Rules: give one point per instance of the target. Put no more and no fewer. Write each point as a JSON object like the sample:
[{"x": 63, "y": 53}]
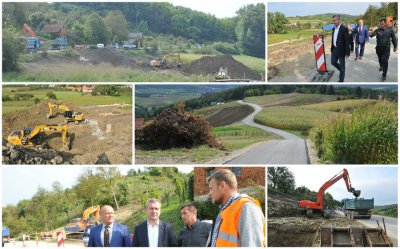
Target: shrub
[
  {"x": 226, "y": 48},
  {"x": 51, "y": 95}
]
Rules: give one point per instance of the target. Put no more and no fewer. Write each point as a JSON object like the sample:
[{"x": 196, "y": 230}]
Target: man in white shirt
[
  {"x": 153, "y": 232},
  {"x": 340, "y": 48}
]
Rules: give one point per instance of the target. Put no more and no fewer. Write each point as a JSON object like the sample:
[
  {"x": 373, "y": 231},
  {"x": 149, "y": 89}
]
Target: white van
[{"x": 100, "y": 45}]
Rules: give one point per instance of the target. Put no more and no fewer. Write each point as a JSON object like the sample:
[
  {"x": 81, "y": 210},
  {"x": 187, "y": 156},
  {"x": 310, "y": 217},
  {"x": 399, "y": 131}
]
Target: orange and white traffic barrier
[
  {"x": 60, "y": 239},
  {"x": 319, "y": 49}
]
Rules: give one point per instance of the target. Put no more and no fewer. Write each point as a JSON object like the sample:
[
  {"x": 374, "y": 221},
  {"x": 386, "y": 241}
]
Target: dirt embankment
[
  {"x": 210, "y": 65},
  {"x": 229, "y": 115},
  {"x": 104, "y": 138},
  {"x": 289, "y": 227}
]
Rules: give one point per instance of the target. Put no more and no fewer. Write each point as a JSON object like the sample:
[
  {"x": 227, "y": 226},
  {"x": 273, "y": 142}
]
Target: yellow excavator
[
  {"x": 168, "y": 61},
  {"x": 24, "y": 137},
  {"x": 70, "y": 116},
  {"x": 75, "y": 228}
]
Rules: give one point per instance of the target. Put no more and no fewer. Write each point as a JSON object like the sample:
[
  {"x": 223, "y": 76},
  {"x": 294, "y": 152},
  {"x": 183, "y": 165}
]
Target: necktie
[{"x": 106, "y": 237}]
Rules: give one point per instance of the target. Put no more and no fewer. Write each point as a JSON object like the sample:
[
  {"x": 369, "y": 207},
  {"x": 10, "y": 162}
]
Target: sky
[
  {"x": 374, "y": 182},
  {"x": 22, "y": 182},
  {"x": 218, "y": 8},
  {"x": 291, "y": 9}
]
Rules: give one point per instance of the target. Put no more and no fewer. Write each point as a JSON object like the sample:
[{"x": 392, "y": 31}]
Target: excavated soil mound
[
  {"x": 108, "y": 55},
  {"x": 229, "y": 115},
  {"x": 210, "y": 65}
]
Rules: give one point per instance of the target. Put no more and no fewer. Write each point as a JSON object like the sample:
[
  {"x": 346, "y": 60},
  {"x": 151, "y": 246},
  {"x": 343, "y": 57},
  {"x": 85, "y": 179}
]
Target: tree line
[{"x": 49, "y": 209}]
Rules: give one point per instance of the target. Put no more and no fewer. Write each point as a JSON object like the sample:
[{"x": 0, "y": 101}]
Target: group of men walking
[
  {"x": 240, "y": 222},
  {"x": 342, "y": 38}
]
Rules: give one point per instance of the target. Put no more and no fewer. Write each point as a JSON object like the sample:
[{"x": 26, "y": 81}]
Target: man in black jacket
[
  {"x": 383, "y": 37},
  {"x": 340, "y": 49}
]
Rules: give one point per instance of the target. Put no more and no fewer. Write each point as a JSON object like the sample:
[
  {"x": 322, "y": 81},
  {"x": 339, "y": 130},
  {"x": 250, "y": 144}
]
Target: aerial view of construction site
[
  {"x": 332, "y": 207},
  {"x": 131, "y": 42},
  {"x": 266, "y": 124},
  {"x": 67, "y": 124},
  {"x": 300, "y": 41}
]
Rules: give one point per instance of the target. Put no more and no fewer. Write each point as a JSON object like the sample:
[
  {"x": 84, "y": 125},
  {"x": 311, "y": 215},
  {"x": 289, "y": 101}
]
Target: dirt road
[{"x": 291, "y": 150}]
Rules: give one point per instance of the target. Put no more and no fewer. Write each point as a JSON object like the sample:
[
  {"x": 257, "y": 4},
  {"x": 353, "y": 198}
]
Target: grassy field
[
  {"x": 291, "y": 99},
  {"x": 210, "y": 110},
  {"x": 292, "y": 118},
  {"x": 342, "y": 105},
  {"x": 72, "y": 98},
  {"x": 368, "y": 136},
  {"x": 164, "y": 100},
  {"x": 233, "y": 138},
  {"x": 305, "y": 34},
  {"x": 99, "y": 73}
]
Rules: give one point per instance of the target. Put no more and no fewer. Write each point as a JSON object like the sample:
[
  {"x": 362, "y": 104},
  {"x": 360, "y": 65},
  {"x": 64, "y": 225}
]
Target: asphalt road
[
  {"x": 366, "y": 70},
  {"x": 391, "y": 225},
  {"x": 291, "y": 150}
]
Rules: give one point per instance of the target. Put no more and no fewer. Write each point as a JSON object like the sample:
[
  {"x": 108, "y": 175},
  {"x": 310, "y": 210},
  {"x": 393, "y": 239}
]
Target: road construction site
[
  {"x": 104, "y": 137},
  {"x": 206, "y": 66}
]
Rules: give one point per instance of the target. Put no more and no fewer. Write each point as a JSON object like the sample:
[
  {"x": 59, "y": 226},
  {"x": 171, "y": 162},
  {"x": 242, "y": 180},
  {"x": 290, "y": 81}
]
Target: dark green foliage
[
  {"x": 51, "y": 95},
  {"x": 10, "y": 49}
]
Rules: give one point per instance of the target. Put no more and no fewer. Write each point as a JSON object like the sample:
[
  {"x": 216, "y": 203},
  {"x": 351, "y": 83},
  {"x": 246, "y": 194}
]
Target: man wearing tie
[
  {"x": 153, "y": 232},
  {"x": 361, "y": 38},
  {"x": 110, "y": 233},
  {"x": 340, "y": 46}
]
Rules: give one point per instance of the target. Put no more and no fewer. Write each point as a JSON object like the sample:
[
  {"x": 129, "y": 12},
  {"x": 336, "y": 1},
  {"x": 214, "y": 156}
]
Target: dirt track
[
  {"x": 229, "y": 115},
  {"x": 89, "y": 141}
]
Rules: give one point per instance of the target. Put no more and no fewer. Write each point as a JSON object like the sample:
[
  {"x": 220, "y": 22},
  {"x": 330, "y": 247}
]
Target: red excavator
[
  {"x": 32, "y": 42},
  {"x": 318, "y": 206}
]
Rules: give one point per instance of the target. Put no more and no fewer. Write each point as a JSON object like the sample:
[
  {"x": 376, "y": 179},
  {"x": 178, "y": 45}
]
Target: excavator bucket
[{"x": 357, "y": 193}]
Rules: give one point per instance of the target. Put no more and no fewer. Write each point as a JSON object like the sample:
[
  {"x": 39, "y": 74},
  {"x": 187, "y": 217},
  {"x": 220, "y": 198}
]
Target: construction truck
[
  {"x": 32, "y": 42},
  {"x": 75, "y": 229},
  {"x": 5, "y": 235},
  {"x": 26, "y": 136},
  {"x": 70, "y": 116},
  {"x": 222, "y": 74},
  {"x": 319, "y": 206},
  {"x": 358, "y": 208},
  {"x": 167, "y": 62}
]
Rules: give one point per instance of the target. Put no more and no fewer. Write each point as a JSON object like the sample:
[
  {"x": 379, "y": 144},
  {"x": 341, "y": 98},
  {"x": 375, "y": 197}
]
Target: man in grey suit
[{"x": 153, "y": 232}]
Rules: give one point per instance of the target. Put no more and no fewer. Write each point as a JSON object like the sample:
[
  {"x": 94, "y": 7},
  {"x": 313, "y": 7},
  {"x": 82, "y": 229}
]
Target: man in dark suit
[
  {"x": 110, "y": 233},
  {"x": 340, "y": 49},
  {"x": 361, "y": 37},
  {"x": 153, "y": 232}
]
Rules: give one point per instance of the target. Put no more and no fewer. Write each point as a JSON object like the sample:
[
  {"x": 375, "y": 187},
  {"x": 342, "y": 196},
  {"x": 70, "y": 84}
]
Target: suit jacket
[
  {"x": 120, "y": 236},
  {"x": 342, "y": 42},
  {"x": 166, "y": 236},
  {"x": 361, "y": 35}
]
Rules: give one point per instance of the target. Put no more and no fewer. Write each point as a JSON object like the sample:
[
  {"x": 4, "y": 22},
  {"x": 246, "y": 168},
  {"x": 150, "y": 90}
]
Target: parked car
[{"x": 100, "y": 45}]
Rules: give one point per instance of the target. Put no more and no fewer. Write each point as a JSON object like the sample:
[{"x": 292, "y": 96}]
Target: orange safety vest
[{"x": 228, "y": 234}]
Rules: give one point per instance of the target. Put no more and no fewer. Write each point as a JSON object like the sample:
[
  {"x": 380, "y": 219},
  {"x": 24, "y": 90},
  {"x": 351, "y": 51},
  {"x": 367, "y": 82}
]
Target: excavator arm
[
  {"x": 28, "y": 29},
  {"x": 346, "y": 177}
]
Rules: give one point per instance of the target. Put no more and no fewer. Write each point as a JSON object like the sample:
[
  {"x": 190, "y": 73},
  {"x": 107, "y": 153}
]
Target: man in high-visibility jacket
[{"x": 240, "y": 222}]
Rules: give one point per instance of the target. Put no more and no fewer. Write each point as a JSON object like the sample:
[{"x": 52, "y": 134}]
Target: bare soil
[
  {"x": 210, "y": 65},
  {"x": 89, "y": 141},
  {"x": 229, "y": 115}
]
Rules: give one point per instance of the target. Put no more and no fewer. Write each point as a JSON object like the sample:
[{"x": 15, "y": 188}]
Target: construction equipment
[
  {"x": 70, "y": 116},
  {"x": 318, "y": 206},
  {"x": 77, "y": 226},
  {"x": 222, "y": 74},
  {"x": 32, "y": 43},
  {"x": 354, "y": 236},
  {"x": 25, "y": 136},
  {"x": 358, "y": 208},
  {"x": 167, "y": 62},
  {"x": 6, "y": 235}
]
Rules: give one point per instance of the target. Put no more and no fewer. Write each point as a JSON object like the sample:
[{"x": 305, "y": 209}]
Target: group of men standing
[
  {"x": 340, "y": 47},
  {"x": 240, "y": 222}
]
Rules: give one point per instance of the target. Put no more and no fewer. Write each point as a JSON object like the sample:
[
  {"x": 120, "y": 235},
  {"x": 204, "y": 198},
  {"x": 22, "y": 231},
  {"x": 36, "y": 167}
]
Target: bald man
[{"x": 110, "y": 233}]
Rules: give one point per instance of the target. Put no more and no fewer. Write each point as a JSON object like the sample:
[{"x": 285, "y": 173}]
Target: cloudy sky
[
  {"x": 219, "y": 8},
  {"x": 374, "y": 182},
  {"x": 312, "y": 8},
  {"x": 22, "y": 182}
]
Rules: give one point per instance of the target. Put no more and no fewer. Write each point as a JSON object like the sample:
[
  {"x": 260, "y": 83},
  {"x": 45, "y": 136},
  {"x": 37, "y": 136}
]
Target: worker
[
  {"x": 110, "y": 233},
  {"x": 37, "y": 239},
  {"x": 340, "y": 47},
  {"x": 383, "y": 35},
  {"x": 153, "y": 232},
  {"x": 195, "y": 233},
  {"x": 240, "y": 221}
]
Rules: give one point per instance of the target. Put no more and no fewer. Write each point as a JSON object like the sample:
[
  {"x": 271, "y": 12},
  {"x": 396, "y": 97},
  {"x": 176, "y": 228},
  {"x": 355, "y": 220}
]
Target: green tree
[
  {"x": 143, "y": 27},
  {"x": 250, "y": 30},
  {"x": 116, "y": 23},
  {"x": 51, "y": 95},
  {"x": 358, "y": 92},
  {"x": 281, "y": 178},
  {"x": 10, "y": 49},
  {"x": 111, "y": 175},
  {"x": 95, "y": 29}
]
